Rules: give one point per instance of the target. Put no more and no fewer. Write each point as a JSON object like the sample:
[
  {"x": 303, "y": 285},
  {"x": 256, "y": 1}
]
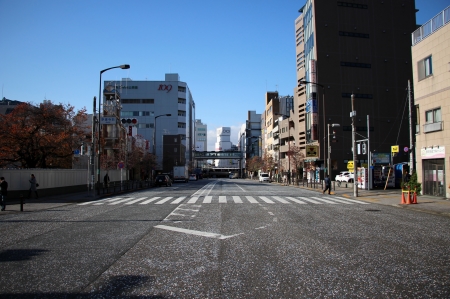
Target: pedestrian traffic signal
[{"x": 129, "y": 121}]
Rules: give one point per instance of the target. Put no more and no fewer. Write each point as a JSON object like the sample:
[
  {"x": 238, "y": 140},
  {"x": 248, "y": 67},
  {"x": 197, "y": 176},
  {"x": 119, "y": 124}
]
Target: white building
[
  {"x": 150, "y": 102},
  {"x": 223, "y": 143}
]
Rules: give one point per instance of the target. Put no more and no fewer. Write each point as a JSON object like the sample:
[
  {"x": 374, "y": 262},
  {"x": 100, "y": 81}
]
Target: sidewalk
[{"x": 389, "y": 197}]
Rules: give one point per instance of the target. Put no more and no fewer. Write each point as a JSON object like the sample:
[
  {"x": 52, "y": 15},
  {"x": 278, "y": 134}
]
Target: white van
[{"x": 264, "y": 177}]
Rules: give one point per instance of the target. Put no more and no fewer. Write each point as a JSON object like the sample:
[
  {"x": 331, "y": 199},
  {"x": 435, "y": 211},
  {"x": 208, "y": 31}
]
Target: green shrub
[{"x": 413, "y": 184}]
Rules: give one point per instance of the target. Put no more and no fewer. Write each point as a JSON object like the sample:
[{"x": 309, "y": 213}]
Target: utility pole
[
  {"x": 411, "y": 144},
  {"x": 92, "y": 151},
  {"x": 355, "y": 172}
]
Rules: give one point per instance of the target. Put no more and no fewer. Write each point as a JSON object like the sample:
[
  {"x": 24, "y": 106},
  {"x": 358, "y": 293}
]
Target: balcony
[{"x": 433, "y": 127}]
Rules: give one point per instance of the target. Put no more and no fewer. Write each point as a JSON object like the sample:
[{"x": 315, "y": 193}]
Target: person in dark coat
[
  {"x": 327, "y": 185},
  {"x": 106, "y": 180},
  {"x": 33, "y": 186},
  {"x": 3, "y": 192}
]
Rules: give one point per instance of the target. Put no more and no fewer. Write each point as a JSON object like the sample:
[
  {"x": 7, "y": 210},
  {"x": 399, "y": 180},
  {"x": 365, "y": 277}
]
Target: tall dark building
[{"x": 360, "y": 47}]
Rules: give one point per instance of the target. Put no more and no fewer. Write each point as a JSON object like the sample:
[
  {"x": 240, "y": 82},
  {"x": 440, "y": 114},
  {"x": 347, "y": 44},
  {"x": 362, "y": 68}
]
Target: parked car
[
  {"x": 345, "y": 176},
  {"x": 264, "y": 177},
  {"x": 192, "y": 177},
  {"x": 234, "y": 175},
  {"x": 163, "y": 180}
]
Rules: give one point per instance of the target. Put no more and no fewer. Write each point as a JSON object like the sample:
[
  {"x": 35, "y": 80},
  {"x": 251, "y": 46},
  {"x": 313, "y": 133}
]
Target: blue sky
[{"x": 228, "y": 52}]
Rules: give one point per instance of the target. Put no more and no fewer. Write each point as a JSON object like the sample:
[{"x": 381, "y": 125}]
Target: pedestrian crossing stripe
[{"x": 225, "y": 199}]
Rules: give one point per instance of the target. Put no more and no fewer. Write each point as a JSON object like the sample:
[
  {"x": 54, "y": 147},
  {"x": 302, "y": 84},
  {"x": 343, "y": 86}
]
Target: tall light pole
[
  {"x": 154, "y": 132},
  {"x": 124, "y": 67},
  {"x": 355, "y": 172},
  {"x": 329, "y": 148}
]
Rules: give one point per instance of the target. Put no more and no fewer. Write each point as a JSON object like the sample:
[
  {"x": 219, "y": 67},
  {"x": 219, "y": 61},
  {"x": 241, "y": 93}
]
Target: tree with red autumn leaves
[{"x": 42, "y": 136}]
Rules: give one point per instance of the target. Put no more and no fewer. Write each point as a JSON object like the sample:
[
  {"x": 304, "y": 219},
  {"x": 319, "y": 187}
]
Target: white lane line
[
  {"x": 280, "y": 199},
  {"x": 193, "y": 199},
  {"x": 134, "y": 201},
  {"x": 178, "y": 200},
  {"x": 266, "y": 199},
  {"x": 324, "y": 200},
  {"x": 352, "y": 200},
  {"x": 239, "y": 187},
  {"x": 109, "y": 200},
  {"x": 149, "y": 200},
  {"x": 120, "y": 201},
  {"x": 237, "y": 199},
  {"x": 163, "y": 200},
  {"x": 251, "y": 199},
  {"x": 296, "y": 200},
  {"x": 196, "y": 232},
  {"x": 310, "y": 200},
  {"x": 271, "y": 214},
  {"x": 207, "y": 199},
  {"x": 222, "y": 199}
]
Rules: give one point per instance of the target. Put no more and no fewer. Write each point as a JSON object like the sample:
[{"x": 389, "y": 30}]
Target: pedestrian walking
[
  {"x": 3, "y": 192},
  {"x": 327, "y": 185},
  {"x": 284, "y": 180},
  {"x": 106, "y": 180},
  {"x": 33, "y": 186}
]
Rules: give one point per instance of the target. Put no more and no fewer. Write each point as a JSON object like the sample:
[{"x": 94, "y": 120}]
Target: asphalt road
[{"x": 225, "y": 239}]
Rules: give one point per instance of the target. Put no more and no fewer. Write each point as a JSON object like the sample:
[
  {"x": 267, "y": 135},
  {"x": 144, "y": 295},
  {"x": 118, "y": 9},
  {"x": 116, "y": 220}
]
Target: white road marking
[
  {"x": 222, "y": 199},
  {"x": 237, "y": 199},
  {"x": 120, "y": 201},
  {"x": 251, "y": 199},
  {"x": 134, "y": 201},
  {"x": 163, "y": 200},
  {"x": 196, "y": 232},
  {"x": 149, "y": 200},
  {"x": 193, "y": 199},
  {"x": 178, "y": 200},
  {"x": 352, "y": 200},
  {"x": 207, "y": 199},
  {"x": 280, "y": 199},
  {"x": 239, "y": 187},
  {"x": 266, "y": 199},
  {"x": 324, "y": 200},
  {"x": 109, "y": 200},
  {"x": 296, "y": 200},
  {"x": 310, "y": 200}
]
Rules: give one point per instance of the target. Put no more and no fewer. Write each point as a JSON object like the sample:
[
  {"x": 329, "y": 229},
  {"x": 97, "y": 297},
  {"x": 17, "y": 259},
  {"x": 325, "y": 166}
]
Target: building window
[
  {"x": 425, "y": 68},
  {"x": 130, "y": 101},
  {"x": 433, "y": 116},
  {"x": 181, "y": 89},
  {"x": 181, "y": 101},
  {"x": 148, "y": 101},
  {"x": 145, "y": 126}
]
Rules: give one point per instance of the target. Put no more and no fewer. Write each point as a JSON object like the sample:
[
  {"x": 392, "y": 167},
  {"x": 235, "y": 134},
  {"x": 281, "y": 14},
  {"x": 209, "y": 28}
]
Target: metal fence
[{"x": 431, "y": 26}]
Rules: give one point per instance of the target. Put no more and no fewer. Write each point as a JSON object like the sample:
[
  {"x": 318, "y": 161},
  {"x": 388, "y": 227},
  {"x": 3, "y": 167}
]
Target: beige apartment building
[
  {"x": 359, "y": 47},
  {"x": 431, "y": 68}
]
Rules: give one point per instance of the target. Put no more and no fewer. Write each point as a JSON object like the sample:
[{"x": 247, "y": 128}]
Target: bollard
[{"x": 21, "y": 202}]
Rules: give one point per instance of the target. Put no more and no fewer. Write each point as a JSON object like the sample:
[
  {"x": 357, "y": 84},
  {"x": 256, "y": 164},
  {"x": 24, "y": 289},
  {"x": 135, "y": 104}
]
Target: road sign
[
  {"x": 394, "y": 148},
  {"x": 120, "y": 165},
  {"x": 405, "y": 149},
  {"x": 76, "y": 153}
]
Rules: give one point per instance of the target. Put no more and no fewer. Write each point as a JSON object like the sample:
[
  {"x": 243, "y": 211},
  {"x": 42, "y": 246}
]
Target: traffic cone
[
  {"x": 408, "y": 200},
  {"x": 414, "y": 198},
  {"x": 403, "y": 197}
]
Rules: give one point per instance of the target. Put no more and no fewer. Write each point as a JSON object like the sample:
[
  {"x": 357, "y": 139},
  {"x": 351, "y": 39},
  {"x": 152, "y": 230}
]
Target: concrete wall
[{"x": 52, "y": 181}]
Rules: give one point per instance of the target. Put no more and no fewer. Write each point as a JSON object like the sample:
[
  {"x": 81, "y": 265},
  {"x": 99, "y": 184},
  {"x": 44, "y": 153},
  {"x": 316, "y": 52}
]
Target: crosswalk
[{"x": 316, "y": 200}]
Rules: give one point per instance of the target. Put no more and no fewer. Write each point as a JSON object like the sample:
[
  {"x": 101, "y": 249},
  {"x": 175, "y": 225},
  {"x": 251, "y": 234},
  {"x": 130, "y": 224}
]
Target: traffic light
[
  {"x": 129, "y": 121},
  {"x": 364, "y": 150}
]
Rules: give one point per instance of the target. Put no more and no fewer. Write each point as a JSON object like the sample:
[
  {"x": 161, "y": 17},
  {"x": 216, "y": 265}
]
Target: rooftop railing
[{"x": 431, "y": 26}]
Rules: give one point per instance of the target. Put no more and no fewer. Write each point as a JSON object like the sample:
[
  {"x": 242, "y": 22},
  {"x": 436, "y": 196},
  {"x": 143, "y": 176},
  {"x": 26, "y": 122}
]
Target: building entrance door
[{"x": 434, "y": 177}]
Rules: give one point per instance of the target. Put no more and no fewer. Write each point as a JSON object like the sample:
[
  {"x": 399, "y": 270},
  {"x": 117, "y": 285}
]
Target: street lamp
[
  {"x": 329, "y": 148},
  {"x": 124, "y": 67},
  {"x": 154, "y": 132}
]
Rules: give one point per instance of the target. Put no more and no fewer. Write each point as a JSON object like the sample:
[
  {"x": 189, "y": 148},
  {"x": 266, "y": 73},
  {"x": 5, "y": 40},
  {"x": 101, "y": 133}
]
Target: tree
[
  {"x": 296, "y": 156},
  {"x": 268, "y": 162},
  {"x": 413, "y": 185},
  {"x": 43, "y": 136},
  {"x": 254, "y": 164}
]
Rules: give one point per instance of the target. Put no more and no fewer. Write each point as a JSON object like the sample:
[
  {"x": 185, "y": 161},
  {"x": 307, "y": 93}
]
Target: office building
[
  {"x": 357, "y": 47},
  {"x": 158, "y": 108}
]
